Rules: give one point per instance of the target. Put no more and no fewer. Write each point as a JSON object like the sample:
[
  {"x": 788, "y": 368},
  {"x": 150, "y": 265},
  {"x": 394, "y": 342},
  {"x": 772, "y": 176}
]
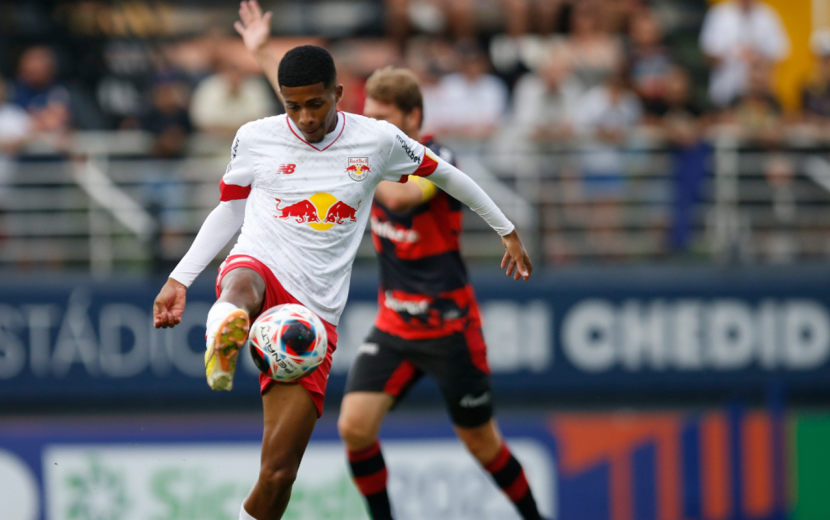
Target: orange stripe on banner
[
  {"x": 716, "y": 485},
  {"x": 759, "y": 492},
  {"x": 622, "y": 503},
  {"x": 669, "y": 483}
]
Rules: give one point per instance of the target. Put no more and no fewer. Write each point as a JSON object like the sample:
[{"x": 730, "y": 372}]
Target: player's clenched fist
[{"x": 169, "y": 304}]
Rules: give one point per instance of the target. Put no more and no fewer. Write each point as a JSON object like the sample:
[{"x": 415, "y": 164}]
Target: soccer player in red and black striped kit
[{"x": 428, "y": 322}]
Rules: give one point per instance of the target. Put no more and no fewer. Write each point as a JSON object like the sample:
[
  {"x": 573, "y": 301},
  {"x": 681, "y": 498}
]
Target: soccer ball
[{"x": 287, "y": 342}]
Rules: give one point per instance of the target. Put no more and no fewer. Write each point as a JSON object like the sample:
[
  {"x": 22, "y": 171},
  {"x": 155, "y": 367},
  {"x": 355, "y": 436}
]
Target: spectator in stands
[
  {"x": 37, "y": 91},
  {"x": 228, "y": 99},
  {"x": 15, "y": 130},
  {"x": 594, "y": 54},
  {"x": 165, "y": 196},
  {"x": 757, "y": 113},
  {"x": 168, "y": 119},
  {"x": 735, "y": 34},
  {"x": 816, "y": 92},
  {"x": 605, "y": 115},
  {"x": 545, "y": 102},
  {"x": 681, "y": 123},
  {"x": 471, "y": 102},
  {"x": 649, "y": 62}
]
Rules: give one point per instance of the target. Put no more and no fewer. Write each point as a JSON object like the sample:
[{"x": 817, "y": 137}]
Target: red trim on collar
[{"x": 311, "y": 145}]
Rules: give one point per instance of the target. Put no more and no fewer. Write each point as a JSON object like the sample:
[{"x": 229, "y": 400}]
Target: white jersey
[{"x": 308, "y": 203}]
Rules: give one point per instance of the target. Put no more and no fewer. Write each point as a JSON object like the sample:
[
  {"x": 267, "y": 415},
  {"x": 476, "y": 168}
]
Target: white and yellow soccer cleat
[{"x": 220, "y": 357}]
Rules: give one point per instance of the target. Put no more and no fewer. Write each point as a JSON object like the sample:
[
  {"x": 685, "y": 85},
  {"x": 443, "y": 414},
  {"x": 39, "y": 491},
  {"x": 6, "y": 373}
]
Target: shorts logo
[
  {"x": 470, "y": 401},
  {"x": 286, "y": 169},
  {"x": 358, "y": 168},
  {"x": 370, "y": 349}
]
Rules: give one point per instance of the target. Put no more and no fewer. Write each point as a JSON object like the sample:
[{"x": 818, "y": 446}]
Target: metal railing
[{"x": 107, "y": 207}]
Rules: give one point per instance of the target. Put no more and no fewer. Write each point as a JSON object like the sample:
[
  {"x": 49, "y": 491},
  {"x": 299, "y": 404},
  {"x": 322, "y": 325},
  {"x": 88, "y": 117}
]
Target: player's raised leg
[
  {"x": 289, "y": 417},
  {"x": 242, "y": 293},
  {"x": 361, "y": 414},
  {"x": 485, "y": 443}
]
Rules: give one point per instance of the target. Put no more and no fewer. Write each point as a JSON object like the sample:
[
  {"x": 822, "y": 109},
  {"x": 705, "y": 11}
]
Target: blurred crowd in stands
[{"x": 522, "y": 74}]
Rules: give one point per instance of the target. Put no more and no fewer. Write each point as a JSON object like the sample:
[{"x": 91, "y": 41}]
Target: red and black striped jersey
[{"x": 424, "y": 292}]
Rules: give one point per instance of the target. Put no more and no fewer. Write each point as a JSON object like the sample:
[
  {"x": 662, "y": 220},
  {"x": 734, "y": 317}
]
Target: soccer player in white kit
[{"x": 300, "y": 186}]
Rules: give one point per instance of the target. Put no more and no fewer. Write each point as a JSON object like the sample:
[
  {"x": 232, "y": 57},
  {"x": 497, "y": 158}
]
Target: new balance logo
[{"x": 286, "y": 169}]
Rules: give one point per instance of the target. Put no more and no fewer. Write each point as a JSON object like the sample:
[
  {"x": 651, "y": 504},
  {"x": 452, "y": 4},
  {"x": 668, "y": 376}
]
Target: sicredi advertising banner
[
  {"x": 729, "y": 463},
  {"x": 605, "y": 330},
  {"x": 178, "y": 468}
]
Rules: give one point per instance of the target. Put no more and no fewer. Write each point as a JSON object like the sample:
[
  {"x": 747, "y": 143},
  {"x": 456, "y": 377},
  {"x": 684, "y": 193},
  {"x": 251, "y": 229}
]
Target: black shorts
[{"x": 458, "y": 363}]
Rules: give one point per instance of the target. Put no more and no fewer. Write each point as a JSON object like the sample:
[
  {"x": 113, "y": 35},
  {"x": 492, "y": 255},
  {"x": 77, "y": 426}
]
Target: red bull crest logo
[
  {"x": 321, "y": 211},
  {"x": 358, "y": 168}
]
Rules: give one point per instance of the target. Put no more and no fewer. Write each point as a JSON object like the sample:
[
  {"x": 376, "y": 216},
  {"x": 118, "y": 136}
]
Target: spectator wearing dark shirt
[
  {"x": 649, "y": 63},
  {"x": 41, "y": 96},
  {"x": 165, "y": 195},
  {"x": 168, "y": 119},
  {"x": 681, "y": 123}
]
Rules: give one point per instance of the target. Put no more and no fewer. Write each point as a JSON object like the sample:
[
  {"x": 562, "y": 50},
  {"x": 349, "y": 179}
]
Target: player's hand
[
  {"x": 515, "y": 260},
  {"x": 255, "y": 27},
  {"x": 169, "y": 305}
]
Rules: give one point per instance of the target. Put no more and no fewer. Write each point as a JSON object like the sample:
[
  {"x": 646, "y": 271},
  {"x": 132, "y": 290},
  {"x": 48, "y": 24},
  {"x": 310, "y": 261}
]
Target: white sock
[
  {"x": 217, "y": 313},
  {"x": 243, "y": 515}
]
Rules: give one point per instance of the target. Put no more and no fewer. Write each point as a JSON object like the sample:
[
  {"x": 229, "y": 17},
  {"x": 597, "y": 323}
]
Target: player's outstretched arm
[
  {"x": 255, "y": 29},
  {"x": 169, "y": 304},
  {"x": 219, "y": 227},
  {"x": 459, "y": 185}
]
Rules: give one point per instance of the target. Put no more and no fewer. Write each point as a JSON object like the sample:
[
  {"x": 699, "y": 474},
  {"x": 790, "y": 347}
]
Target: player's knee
[
  {"x": 277, "y": 478},
  {"x": 355, "y": 434},
  {"x": 244, "y": 287},
  {"x": 480, "y": 442}
]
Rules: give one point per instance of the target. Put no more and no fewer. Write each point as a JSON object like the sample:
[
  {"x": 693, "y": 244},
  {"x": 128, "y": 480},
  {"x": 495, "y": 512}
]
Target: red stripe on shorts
[{"x": 400, "y": 378}]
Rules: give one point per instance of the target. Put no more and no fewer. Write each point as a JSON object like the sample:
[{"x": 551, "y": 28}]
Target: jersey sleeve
[
  {"x": 407, "y": 157},
  {"x": 239, "y": 176}
]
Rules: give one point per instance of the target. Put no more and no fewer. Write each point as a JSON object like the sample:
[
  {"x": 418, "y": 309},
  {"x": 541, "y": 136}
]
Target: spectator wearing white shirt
[
  {"x": 227, "y": 100},
  {"x": 471, "y": 103},
  {"x": 734, "y": 34},
  {"x": 545, "y": 102}
]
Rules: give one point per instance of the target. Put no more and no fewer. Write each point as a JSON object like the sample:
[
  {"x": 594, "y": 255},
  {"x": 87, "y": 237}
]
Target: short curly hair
[{"x": 307, "y": 65}]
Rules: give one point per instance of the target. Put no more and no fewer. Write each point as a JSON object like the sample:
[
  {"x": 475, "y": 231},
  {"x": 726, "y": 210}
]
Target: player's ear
[
  {"x": 414, "y": 118},
  {"x": 338, "y": 93}
]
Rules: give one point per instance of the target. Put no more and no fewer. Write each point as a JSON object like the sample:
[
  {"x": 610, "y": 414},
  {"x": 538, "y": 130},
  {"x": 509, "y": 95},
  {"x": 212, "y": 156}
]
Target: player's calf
[
  {"x": 486, "y": 445},
  {"x": 370, "y": 476}
]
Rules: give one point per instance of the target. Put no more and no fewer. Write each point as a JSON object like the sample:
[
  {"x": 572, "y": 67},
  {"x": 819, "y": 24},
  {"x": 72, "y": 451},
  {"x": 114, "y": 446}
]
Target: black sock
[
  {"x": 369, "y": 473},
  {"x": 510, "y": 477}
]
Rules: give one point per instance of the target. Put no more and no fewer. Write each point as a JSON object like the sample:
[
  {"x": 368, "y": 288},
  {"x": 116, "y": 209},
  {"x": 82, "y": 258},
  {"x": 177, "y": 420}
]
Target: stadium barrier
[{"x": 111, "y": 209}]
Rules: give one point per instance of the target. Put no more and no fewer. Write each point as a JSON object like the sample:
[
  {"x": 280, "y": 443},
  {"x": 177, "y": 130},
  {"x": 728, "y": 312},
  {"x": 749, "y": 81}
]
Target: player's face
[
  {"x": 390, "y": 113},
  {"x": 313, "y": 108}
]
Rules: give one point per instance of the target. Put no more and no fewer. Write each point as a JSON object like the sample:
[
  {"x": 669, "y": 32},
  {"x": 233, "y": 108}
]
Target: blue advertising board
[{"x": 74, "y": 340}]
